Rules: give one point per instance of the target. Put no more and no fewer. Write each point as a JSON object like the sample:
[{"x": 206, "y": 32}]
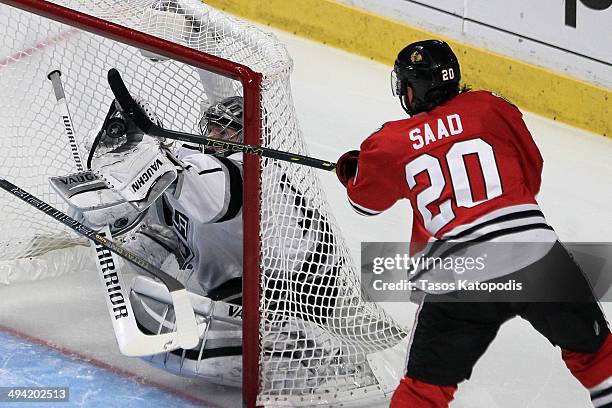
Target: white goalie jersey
[{"x": 204, "y": 208}]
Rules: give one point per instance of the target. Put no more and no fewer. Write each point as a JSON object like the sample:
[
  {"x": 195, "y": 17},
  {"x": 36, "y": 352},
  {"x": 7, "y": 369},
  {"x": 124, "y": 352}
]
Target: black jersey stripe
[
  {"x": 496, "y": 234},
  {"x": 459, "y": 246},
  {"x": 215, "y": 170},
  {"x": 235, "y": 190},
  {"x": 164, "y": 211},
  {"x": 601, "y": 393},
  {"x": 154, "y": 239},
  {"x": 500, "y": 219},
  {"x": 598, "y": 404},
  {"x": 361, "y": 211},
  {"x": 497, "y": 220}
]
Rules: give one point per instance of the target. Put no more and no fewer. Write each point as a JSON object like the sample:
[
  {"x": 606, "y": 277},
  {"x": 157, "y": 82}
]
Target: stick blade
[
  {"x": 187, "y": 334},
  {"x": 128, "y": 104}
]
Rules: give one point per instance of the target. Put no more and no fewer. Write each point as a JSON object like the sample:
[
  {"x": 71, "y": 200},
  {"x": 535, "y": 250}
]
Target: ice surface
[{"x": 23, "y": 364}]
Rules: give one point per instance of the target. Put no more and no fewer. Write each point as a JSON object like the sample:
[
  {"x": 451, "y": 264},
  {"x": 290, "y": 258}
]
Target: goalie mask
[{"x": 224, "y": 121}]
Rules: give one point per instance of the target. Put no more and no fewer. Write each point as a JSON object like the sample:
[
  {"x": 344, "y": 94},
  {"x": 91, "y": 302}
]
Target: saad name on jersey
[{"x": 428, "y": 132}]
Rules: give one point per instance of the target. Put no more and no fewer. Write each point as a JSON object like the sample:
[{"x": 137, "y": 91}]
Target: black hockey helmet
[{"x": 431, "y": 69}]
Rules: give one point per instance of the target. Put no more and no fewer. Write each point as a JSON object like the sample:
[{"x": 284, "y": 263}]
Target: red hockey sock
[
  {"x": 590, "y": 369},
  {"x": 411, "y": 393}
]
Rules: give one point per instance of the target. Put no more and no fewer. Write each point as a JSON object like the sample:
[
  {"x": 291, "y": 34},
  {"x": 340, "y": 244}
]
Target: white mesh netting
[{"x": 320, "y": 342}]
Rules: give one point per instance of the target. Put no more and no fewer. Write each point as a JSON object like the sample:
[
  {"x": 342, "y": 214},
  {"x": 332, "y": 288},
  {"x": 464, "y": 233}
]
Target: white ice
[{"x": 341, "y": 98}]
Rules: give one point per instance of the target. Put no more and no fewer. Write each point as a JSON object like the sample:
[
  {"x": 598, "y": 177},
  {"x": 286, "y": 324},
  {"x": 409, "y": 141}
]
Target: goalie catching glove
[{"x": 137, "y": 166}]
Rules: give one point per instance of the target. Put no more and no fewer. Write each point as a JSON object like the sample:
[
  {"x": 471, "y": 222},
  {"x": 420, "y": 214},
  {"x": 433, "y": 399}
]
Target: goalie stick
[
  {"x": 60, "y": 96},
  {"x": 131, "y": 108},
  {"x": 186, "y": 335},
  {"x": 130, "y": 339}
]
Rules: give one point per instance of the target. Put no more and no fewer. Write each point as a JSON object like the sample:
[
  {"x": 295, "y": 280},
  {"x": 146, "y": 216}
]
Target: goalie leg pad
[{"x": 218, "y": 356}]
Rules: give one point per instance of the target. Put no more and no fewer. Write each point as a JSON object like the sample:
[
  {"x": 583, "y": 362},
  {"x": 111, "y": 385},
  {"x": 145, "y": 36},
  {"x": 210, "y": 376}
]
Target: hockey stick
[
  {"x": 131, "y": 108},
  {"x": 186, "y": 335},
  {"x": 60, "y": 96},
  {"x": 130, "y": 339}
]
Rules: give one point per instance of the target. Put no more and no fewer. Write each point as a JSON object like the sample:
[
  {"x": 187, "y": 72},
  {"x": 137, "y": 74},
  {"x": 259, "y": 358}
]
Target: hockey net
[{"x": 325, "y": 345}]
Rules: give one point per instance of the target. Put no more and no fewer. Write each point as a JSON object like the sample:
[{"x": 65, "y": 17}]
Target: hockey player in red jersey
[{"x": 471, "y": 170}]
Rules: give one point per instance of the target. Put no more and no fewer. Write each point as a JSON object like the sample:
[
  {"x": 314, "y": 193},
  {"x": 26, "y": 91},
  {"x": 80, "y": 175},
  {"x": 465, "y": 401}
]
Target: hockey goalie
[{"x": 179, "y": 207}]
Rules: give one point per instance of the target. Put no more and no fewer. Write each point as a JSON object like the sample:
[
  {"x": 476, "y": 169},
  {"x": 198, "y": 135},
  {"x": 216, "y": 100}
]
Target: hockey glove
[
  {"x": 91, "y": 202},
  {"x": 346, "y": 167},
  {"x": 137, "y": 166}
]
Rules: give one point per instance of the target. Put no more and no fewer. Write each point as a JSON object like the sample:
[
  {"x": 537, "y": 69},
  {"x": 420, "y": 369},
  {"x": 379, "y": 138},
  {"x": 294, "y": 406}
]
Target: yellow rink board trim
[{"x": 533, "y": 88}]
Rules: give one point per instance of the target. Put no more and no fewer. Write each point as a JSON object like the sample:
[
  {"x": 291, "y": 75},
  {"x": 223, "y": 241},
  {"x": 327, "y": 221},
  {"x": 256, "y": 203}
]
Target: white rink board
[{"x": 532, "y": 31}]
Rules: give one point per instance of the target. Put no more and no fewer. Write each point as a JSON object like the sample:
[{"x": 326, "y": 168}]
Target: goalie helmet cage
[{"x": 308, "y": 336}]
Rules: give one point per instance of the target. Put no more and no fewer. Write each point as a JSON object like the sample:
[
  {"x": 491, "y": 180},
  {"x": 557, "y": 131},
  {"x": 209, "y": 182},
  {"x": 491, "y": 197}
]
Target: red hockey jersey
[{"x": 470, "y": 169}]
